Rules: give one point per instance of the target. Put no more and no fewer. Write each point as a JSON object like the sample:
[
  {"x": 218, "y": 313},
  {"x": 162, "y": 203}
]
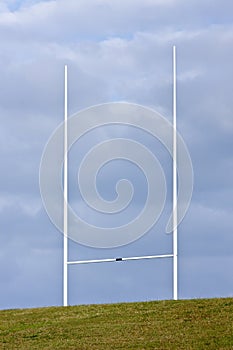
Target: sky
[{"x": 115, "y": 51}]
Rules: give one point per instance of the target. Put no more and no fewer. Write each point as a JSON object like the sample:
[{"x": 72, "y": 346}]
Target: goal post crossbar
[{"x": 145, "y": 257}]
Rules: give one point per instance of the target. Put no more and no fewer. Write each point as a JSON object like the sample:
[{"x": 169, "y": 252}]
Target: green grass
[{"x": 186, "y": 324}]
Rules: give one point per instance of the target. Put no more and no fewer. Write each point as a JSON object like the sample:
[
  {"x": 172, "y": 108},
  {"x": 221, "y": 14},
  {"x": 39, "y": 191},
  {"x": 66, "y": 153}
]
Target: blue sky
[{"x": 115, "y": 50}]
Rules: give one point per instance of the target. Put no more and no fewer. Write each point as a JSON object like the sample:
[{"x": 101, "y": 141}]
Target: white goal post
[{"x": 173, "y": 255}]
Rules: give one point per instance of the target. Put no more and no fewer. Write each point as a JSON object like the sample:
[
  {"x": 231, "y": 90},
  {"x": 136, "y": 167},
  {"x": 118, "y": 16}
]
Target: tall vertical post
[
  {"x": 65, "y": 187},
  {"x": 174, "y": 176}
]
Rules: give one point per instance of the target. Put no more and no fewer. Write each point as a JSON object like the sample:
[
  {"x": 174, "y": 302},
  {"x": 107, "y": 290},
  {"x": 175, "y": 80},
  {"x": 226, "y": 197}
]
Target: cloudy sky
[{"x": 115, "y": 50}]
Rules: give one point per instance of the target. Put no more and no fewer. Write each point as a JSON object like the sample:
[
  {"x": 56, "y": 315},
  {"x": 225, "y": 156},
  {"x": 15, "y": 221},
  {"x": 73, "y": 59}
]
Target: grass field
[{"x": 186, "y": 324}]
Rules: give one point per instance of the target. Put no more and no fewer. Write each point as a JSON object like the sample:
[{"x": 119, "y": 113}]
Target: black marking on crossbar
[{"x": 118, "y": 259}]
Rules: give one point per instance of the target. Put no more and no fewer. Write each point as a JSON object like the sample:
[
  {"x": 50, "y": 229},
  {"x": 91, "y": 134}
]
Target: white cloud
[
  {"x": 28, "y": 206},
  {"x": 117, "y": 50}
]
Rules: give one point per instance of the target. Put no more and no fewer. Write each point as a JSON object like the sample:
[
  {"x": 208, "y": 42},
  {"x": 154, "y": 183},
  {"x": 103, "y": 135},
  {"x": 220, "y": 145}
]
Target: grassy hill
[{"x": 186, "y": 324}]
